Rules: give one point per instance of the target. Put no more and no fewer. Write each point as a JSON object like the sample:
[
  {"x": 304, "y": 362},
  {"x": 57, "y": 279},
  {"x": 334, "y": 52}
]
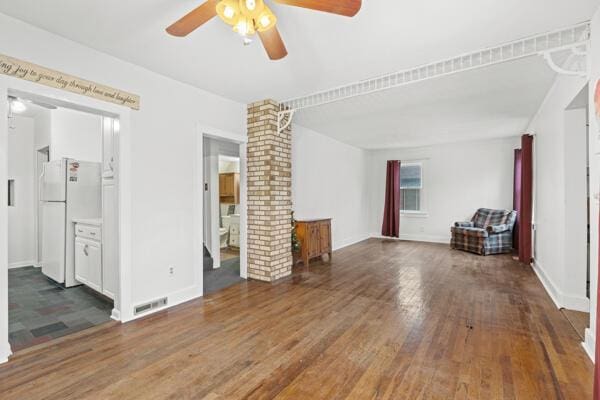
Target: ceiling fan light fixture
[
  {"x": 266, "y": 20},
  {"x": 251, "y": 8},
  {"x": 229, "y": 11},
  {"x": 244, "y": 27}
]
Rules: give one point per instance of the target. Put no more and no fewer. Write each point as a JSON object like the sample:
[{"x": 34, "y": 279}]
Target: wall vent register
[{"x": 150, "y": 306}]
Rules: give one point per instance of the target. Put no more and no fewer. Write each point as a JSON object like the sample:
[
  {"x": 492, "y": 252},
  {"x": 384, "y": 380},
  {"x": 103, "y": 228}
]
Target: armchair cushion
[
  {"x": 498, "y": 228},
  {"x": 464, "y": 224},
  {"x": 468, "y": 231}
]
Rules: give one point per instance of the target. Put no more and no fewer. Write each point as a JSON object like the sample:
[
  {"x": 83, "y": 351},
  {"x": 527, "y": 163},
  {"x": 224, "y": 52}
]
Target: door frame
[
  {"x": 36, "y": 207},
  {"x": 241, "y": 140},
  {"x": 123, "y": 309}
]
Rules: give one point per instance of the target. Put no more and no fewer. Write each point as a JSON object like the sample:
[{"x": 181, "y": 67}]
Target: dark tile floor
[
  {"x": 40, "y": 310},
  {"x": 220, "y": 278}
]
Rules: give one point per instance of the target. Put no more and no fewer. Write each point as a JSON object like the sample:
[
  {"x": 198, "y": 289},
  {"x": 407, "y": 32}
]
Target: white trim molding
[
  {"x": 241, "y": 140},
  {"x": 22, "y": 264},
  {"x": 351, "y": 241},
  {"x": 416, "y": 238},
  {"x": 560, "y": 299},
  {"x": 5, "y": 352},
  {"x": 573, "y": 37},
  {"x": 589, "y": 345}
]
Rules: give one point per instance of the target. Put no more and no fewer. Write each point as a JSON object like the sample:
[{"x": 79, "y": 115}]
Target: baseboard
[
  {"x": 416, "y": 238},
  {"x": 115, "y": 315},
  {"x": 589, "y": 345},
  {"x": 550, "y": 287},
  {"x": 575, "y": 303},
  {"x": 351, "y": 241},
  {"x": 5, "y": 353},
  {"x": 560, "y": 299},
  {"x": 21, "y": 264},
  {"x": 173, "y": 299}
]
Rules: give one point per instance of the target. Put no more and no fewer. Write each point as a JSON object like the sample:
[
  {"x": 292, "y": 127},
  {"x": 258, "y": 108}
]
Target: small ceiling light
[
  {"x": 251, "y": 8},
  {"x": 229, "y": 11},
  {"x": 17, "y": 106},
  {"x": 266, "y": 20},
  {"x": 244, "y": 27}
]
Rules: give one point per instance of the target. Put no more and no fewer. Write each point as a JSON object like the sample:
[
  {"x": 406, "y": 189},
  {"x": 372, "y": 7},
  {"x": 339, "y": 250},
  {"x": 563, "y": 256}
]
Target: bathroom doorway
[{"x": 222, "y": 211}]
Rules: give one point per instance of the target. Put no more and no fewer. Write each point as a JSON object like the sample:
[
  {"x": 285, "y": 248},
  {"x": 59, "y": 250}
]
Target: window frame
[{"x": 422, "y": 198}]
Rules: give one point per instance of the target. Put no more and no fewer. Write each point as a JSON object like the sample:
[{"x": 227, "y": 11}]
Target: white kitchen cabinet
[
  {"x": 88, "y": 263},
  {"x": 110, "y": 271},
  {"x": 108, "y": 148}
]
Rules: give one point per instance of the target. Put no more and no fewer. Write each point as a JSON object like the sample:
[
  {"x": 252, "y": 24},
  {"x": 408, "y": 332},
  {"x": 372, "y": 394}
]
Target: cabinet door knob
[{"x": 85, "y": 250}]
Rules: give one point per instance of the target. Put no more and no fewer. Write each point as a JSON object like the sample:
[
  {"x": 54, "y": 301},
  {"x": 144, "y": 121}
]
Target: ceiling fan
[{"x": 253, "y": 16}]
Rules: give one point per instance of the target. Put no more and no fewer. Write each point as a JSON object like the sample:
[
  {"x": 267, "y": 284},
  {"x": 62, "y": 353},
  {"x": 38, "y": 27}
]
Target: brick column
[{"x": 269, "y": 194}]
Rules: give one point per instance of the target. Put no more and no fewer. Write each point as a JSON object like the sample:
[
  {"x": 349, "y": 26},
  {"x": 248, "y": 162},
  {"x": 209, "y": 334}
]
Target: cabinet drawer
[
  {"x": 234, "y": 241},
  {"x": 88, "y": 232},
  {"x": 234, "y": 229}
]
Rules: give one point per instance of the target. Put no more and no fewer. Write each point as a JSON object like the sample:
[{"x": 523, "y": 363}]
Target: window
[{"x": 411, "y": 186}]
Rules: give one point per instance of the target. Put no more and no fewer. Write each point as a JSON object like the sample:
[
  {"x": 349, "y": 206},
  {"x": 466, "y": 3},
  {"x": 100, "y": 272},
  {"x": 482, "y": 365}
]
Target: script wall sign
[{"x": 35, "y": 73}]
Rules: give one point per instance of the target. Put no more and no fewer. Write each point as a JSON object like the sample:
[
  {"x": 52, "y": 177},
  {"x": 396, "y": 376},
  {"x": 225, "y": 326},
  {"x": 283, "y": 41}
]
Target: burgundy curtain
[
  {"x": 526, "y": 200},
  {"x": 391, "y": 212},
  {"x": 517, "y": 197}
]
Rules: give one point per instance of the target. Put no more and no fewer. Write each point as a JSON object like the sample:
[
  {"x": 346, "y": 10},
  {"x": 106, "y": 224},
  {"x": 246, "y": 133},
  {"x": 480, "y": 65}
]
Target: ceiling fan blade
[
  {"x": 194, "y": 19},
  {"x": 349, "y": 8},
  {"x": 273, "y": 43}
]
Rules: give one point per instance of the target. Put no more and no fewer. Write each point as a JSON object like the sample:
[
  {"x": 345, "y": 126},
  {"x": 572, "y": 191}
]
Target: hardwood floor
[
  {"x": 387, "y": 320},
  {"x": 580, "y": 321}
]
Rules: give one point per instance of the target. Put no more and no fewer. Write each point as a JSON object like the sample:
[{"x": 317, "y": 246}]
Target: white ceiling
[
  {"x": 491, "y": 102},
  {"x": 325, "y": 50}
]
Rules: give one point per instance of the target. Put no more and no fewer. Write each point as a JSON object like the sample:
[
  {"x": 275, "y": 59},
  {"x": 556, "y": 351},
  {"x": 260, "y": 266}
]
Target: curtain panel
[
  {"x": 391, "y": 211},
  {"x": 526, "y": 199}
]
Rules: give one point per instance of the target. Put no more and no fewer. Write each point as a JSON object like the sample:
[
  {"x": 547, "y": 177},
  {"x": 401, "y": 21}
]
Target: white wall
[
  {"x": 75, "y": 134},
  {"x": 21, "y": 218},
  {"x": 550, "y": 161},
  {"x": 458, "y": 178},
  {"x": 594, "y": 152},
  {"x": 43, "y": 126},
  {"x": 163, "y": 144},
  {"x": 228, "y": 166},
  {"x": 329, "y": 180},
  {"x": 576, "y": 204}
]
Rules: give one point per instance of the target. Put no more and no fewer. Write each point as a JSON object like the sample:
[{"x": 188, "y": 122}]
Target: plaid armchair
[{"x": 488, "y": 232}]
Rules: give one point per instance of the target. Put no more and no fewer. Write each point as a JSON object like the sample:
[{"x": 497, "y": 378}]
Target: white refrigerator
[{"x": 68, "y": 189}]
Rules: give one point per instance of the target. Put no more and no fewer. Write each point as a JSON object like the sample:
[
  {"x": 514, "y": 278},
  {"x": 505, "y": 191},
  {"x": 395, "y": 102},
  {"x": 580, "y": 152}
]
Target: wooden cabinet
[
  {"x": 229, "y": 188},
  {"x": 315, "y": 238}
]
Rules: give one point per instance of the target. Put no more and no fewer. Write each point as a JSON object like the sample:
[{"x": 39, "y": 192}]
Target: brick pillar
[{"x": 269, "y": 194}]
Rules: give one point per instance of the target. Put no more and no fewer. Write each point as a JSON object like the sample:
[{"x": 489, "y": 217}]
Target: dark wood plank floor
[{"x": 388, "y": 320}]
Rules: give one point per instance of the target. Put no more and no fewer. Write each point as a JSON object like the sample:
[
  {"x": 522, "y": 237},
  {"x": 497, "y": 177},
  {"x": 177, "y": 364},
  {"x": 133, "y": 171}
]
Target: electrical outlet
[{"x": 171, "y": 270}]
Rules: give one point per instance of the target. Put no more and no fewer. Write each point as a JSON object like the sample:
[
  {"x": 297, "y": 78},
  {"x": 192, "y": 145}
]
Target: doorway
[
  {"x": 577, "y": 213},
  {"x": 63, "y": 232},
  {"x": 223, "y": 240}
]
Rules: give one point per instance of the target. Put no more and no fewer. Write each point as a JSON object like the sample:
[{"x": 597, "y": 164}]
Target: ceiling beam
[{"x": 542, "y": 44}]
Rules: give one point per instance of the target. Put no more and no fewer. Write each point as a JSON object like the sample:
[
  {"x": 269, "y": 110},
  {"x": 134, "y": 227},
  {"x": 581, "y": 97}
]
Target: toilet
[{"x": 224, "y": 231}]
